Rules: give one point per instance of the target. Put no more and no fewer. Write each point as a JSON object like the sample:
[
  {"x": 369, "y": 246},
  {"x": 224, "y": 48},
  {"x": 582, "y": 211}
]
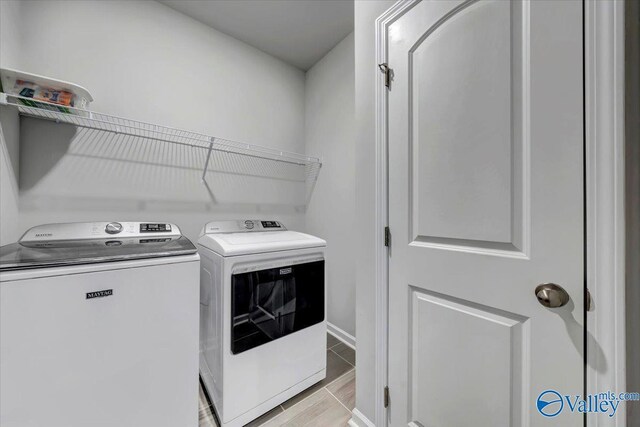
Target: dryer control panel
[{"x": 244, "y": 225}]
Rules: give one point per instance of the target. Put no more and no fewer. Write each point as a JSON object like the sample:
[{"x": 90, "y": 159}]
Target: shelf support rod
[{"x": 206, "y": 164}]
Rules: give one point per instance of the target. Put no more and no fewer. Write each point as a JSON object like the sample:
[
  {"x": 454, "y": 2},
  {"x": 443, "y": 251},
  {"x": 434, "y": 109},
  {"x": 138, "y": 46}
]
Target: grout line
[
  {"x": 343, "y": 405},
  {"x": 337, "y": 378},
  {"x": 345, "y": 373},
  {"x": 342, "y": 336},
  {"x": 336, "y": 344},
  {"x": 312, "y": 394},
  {"x": 342, "y": 358},
  {"x": 320, "y": 389},
  {"x": 297, "y": 403},
  {"x": 270, "y": 419}
]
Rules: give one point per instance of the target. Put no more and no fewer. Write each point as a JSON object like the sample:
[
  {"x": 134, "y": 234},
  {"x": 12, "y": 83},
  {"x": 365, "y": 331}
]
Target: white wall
[
  {"x": 10, "y": 33},
  {"x": 366, "y": 13},
  {"x": 8, "y": 196},
  {"x": 330, "y": 132},
  {"x": 145, "y": 61},
  {"x": 9, "y": 53}
]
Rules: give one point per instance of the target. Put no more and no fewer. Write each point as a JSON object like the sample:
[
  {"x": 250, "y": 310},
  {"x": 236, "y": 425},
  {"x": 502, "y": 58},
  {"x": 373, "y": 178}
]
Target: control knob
[{"x": 113, "y": 228}]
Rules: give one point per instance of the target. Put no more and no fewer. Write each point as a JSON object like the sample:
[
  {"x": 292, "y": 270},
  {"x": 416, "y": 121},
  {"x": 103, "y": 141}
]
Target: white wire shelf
[
  {"x": 134, "y": 132},
  {"x": 120, "y": 125}
]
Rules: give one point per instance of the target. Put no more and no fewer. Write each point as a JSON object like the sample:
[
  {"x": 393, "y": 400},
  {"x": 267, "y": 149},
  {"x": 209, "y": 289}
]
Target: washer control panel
[
  {"x": 100, "y": 230},
  {"x": 245, "y": 225},
  {"x": 155, "y": 228}
]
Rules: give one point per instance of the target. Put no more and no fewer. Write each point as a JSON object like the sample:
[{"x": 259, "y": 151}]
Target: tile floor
[{"x": 328, "y": 403}]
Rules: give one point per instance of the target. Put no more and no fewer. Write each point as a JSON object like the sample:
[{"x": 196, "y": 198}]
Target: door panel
[
  {"x": 455, "y": 342},
  {"x": 466, "y": 90},
  {"x": 485, "y": 203}
]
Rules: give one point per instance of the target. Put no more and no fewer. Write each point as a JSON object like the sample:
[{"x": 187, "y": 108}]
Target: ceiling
[{"x": 299, "y": 32}]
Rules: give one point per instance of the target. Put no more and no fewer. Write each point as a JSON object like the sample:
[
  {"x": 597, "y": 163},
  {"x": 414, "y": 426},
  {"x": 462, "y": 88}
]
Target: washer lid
[
  {"x": 84, "y": 243},
  {"x": 242, "y": 243}
]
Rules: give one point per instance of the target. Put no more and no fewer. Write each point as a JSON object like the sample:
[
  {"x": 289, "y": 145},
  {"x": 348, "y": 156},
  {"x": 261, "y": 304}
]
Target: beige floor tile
[
  {"x": 344, "y": 389},
  {"x": 207, "y": 418},
  {"x": 331, "y": 341},
  {"x": 266, "y": 417},
  {"x": 205, "y": 412},
  {"x": 319, "y": 410},
  {"x": 346, "y": 352},
  {"x": 336, "y": 367},
  {"x": 202, "y": 399}
]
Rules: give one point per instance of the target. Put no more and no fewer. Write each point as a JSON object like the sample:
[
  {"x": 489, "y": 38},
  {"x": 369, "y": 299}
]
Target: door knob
[{"x": 551, "y": 295}]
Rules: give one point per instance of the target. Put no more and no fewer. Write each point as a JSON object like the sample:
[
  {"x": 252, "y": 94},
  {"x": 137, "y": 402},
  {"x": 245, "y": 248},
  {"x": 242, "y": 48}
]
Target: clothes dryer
[{"x": 262, "y": 314}]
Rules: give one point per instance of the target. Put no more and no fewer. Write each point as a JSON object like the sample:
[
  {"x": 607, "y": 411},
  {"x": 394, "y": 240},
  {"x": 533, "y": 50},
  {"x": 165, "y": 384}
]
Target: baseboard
[
  {"x": 343, "y": 336},
  {"x": 359, "y": 420}
]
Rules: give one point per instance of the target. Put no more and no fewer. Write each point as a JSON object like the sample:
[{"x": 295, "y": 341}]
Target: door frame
[
  {"x": 605, "y": 194},
  {"x": 604, "y": 203}
]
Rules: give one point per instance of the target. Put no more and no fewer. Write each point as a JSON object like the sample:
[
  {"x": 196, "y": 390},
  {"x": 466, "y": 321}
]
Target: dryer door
[{"x": 269, "y": 304}]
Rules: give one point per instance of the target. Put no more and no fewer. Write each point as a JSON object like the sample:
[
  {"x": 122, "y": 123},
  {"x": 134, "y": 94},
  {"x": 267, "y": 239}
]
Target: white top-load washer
[
  {"x": 262, "y": 316},
  {"x": 99, "y": 327}
]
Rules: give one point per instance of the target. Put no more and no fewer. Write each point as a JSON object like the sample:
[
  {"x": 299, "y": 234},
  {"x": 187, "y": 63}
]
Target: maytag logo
[
  {"x": 44, "y": 234},
  {"x": 100, "y": 294},
  {"x": 285, "y": 270}
]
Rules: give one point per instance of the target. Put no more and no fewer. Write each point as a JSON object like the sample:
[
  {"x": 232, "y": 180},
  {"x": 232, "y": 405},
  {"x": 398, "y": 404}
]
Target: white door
[{"x": 485, "y": 203}]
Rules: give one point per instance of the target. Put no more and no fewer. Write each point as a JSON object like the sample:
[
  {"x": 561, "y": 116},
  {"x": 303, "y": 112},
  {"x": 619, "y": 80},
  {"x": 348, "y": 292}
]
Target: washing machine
[
  {"x": 262, "y": 316},
  {"x": 99, "y": 326}
]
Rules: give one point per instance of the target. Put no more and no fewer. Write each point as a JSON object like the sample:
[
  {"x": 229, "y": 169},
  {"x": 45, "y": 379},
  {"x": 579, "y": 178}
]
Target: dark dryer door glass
[{"x": 269, "y": 304}]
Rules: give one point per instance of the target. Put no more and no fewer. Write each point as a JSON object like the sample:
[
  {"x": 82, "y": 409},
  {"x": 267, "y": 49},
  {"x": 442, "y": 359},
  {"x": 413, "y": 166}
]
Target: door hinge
[
  {"x": 588, "y": 301},
  {"x": 384, "y": 67},
  {"x": 387, "y": 236},
  {"x": 386, "y": 396}
]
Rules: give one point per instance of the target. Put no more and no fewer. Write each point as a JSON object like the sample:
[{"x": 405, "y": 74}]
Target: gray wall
[
  {"x": 145, "y": 61},
  {"x": 632, "y": 167},
  {"x": 8, "y": 196},
  {"x": 9, "y": 147},
  {"x": 330, "y": 132},
  {"x": 366, "y": 13}
]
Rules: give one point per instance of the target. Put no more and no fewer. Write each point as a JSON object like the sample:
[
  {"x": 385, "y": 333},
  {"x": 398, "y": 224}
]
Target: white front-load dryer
[
  {"x": 262, "y": 316},
  {"x": 99, "y": 327}
]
